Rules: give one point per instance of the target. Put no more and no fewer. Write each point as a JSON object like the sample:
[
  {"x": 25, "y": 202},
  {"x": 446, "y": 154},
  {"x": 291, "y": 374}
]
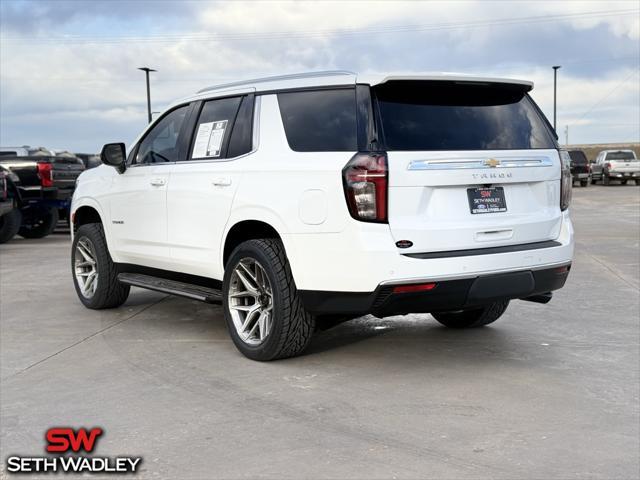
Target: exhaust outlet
[{"x": 542, "y": 298}]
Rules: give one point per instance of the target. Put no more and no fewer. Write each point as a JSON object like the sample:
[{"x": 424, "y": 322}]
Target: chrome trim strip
[
  {"x": 469, "y": 252},
  {"x": 479, "y": 163}
]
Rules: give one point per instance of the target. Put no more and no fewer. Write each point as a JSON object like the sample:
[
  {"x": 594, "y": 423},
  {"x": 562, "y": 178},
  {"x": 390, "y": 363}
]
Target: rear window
[
  {"x": 578, "y": 157},
  {"x": 319, "y": 121},
  {"x": 620, "y": 156},
  {"x": 459, "y": 116}
]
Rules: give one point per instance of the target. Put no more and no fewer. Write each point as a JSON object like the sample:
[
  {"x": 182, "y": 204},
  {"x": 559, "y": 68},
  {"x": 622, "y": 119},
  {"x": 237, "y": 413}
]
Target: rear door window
[
  {"x": 213, "y": 128},
  {"x": 424, "y": 115},
  {"x": 320, "y": 120}
]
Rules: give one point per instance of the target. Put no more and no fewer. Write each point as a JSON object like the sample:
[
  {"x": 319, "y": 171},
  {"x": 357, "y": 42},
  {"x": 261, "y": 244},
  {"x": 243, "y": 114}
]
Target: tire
[
  {"x": 623, "y": 182},
  {"x": 605, "y": 179},
  {"x": 473, "y": 318},
  {"x": 39, "y": 225},
  {"x": 9, "y": 225},
  {"x": 637, "y": 182},
  {"x": 593, "y": 181},
  {"x": 105, "y": 291},
  {"x": 584, "y": 183},
  {"x": 281, "y": 326}
]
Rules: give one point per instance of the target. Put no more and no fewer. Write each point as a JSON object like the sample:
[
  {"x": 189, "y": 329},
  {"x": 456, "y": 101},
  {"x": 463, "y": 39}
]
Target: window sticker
[{"x": 209, "y": 139}]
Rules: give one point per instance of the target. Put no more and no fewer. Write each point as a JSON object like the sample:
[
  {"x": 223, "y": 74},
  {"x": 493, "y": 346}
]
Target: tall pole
[
  {"x": 555, "y": 91},
  {"x": 147, "y": 70}
]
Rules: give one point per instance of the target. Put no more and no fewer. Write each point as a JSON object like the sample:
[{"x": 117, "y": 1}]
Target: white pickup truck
[{"x": 620, "y": 165}]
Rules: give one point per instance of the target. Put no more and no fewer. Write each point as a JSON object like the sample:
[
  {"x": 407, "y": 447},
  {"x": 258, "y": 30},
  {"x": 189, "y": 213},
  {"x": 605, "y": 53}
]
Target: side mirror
[{"x": 114, "y": 154}]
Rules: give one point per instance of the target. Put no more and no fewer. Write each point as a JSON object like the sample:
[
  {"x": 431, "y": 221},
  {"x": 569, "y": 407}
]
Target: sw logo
[
  {"x": 65, "y": 439},
  {"x": 66, "y": 442}
]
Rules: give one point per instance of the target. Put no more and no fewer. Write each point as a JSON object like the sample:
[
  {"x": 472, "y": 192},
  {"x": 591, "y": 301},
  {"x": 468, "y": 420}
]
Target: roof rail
[{"x": 293, "y": 76}]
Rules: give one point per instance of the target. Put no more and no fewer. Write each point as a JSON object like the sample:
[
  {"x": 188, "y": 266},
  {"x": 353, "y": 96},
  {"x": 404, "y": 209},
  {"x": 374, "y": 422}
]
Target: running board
[{"x": 188, "y": 290}]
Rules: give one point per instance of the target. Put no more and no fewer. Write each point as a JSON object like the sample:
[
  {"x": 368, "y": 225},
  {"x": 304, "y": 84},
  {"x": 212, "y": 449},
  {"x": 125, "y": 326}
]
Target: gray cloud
[
  {"x": 51, "y": 16},
  {"x": 88, "y": 90}
]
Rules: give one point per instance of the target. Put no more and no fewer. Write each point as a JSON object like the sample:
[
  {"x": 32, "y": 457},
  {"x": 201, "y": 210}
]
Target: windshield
[
  {"x": 427, "y": 115},
  {"x": 621, "y": 156}
]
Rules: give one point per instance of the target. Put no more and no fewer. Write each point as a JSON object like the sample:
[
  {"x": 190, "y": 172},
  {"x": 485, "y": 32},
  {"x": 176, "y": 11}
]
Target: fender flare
[{"x": 269, "y": 217}]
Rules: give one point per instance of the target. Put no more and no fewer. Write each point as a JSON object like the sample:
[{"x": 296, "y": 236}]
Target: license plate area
[{"x": 486, "y": 200}]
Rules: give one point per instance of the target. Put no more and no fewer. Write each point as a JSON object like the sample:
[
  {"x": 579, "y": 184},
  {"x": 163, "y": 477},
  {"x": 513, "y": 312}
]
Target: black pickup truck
[
  {"x": 580, "y": 168},
  {"x": 45, "y": 188}
]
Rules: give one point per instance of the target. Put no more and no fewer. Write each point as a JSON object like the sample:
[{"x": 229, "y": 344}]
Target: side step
[{"x": 188, "y": 290}]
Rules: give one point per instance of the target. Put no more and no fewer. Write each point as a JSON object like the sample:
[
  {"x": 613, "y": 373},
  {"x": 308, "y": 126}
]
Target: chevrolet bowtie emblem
[{"x": 491, "y": 162}]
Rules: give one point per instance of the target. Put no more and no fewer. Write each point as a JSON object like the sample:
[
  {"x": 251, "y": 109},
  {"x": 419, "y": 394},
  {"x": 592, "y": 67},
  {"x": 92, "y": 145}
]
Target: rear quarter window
[
  {"x": 423, "y": 115},
  {"x": 319, "y": 120}
]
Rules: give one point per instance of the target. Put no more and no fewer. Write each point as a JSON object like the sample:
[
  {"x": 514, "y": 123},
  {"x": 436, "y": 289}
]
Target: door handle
[
  {"x": 158, "y": 182},
  {"x": 222, "y": 182}
]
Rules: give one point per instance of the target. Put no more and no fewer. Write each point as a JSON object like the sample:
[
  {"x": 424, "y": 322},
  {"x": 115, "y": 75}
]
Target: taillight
[
  {"x": 566, "y": 181},
  {"x": 45, "y": 174},
  {"x": 607, "y": 166},
  {"x": 365, "y": 180}
]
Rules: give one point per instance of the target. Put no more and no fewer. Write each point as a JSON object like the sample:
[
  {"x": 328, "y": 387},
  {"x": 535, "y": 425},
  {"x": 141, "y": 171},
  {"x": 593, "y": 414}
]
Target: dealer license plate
[{"x": 486, "y": 200}]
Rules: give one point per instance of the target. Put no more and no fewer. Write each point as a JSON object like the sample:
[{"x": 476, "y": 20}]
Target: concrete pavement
[{"x": 545, "y": 392}]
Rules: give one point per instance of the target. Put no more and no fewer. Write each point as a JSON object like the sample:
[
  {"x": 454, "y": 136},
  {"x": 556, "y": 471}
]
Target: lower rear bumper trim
[{"x": 447, "y": 295}]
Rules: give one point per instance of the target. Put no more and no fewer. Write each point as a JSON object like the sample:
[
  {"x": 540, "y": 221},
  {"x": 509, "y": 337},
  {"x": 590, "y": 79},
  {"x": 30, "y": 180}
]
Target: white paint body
[{"x": 176, "y": 216}]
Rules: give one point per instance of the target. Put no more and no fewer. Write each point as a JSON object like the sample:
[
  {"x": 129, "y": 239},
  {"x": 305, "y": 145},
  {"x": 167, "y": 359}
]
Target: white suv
[{"x": 304, "y": 200}]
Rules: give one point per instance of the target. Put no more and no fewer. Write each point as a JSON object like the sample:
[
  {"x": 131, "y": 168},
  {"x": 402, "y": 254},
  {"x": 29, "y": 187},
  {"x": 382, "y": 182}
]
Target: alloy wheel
[
  {"x": 250, "y": 301},
  {"x": 86, "y": 267}
]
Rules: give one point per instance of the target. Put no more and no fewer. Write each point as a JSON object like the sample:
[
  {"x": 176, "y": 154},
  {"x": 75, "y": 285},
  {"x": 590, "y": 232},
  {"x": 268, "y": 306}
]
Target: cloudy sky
[{"x": 69, "y": 80}]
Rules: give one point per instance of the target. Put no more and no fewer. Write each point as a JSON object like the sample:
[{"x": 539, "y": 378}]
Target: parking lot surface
[{"x": 545, "y": 392}]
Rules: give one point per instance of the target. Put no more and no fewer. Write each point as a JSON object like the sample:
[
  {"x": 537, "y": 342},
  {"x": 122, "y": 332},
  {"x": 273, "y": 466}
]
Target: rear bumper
[
  {"x": 365, "y": 256},
  {"x": 616, "y": 174},
  {"x": 45, "y": 193},
  {"x": 447, "y": 295}
]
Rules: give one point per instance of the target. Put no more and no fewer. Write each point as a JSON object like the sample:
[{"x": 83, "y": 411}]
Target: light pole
[
  {"x": 146, "y": 70},
  {"x": 555, "y": 90}
]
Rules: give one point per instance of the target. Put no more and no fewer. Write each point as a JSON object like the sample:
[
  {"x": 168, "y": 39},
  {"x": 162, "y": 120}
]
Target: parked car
[
  {"x": 14, "y": 151},
  {"x": 289, "y": 201},
  {"x": 25, "y": 151},
  {"x": 90, "y": 160},
  {"x": 10, "y": 216},
  {"x": 46, "y": 186},
  {"x": 616, "y": 165},
  {"x": 580, "y": 168}
]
